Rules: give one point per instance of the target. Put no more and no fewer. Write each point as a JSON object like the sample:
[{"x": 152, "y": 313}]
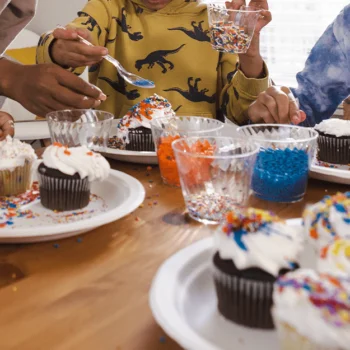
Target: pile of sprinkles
[
  {"x": 340, "y": 203},
  {"x": 227, "y": 37},
  {"x": 329, "y": 294}
]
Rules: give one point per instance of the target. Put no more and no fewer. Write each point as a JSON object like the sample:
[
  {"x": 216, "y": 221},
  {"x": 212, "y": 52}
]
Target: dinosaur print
[
  {"x": 91, "y": 22},
  {"x": 193, "y": 94},
  {"x": 197, "y": 33},
  {"x": 136, "y": 36},
  {"x": 108, "y": 40},
  {"x": 120, "y": 86},
  {"x": 138, "y": 9},
  {"x": 159, "y": 58},
  {"x": 94, "y": 68},
  {"x": 177, "y": 108},
  {"x": 43, "y": 39}
]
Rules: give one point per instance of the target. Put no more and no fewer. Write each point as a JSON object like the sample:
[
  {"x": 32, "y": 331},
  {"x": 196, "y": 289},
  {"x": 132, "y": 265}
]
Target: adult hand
[
  {"x": 48, "y": 87},
  {"x": 68, "y": 51},
  {"x": 6, "y": 125},
  {"x": 264, "y": 19},
  {"x": 276, "y": 105}
]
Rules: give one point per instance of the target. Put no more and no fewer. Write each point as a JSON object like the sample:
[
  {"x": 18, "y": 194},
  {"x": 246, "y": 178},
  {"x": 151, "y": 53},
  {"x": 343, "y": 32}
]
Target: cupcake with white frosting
[
  {"x": 134, "y": 129},
  {"x": 252, "y": 248},
  {"x": 328, "y": 219},
  {"x": 335, "y": 257},
  {"x": 65, "y": 175},
  {"x": 16, "y": 166},
  {"x": 334, "y": 141},
  {"x": 312, "y": 311}
]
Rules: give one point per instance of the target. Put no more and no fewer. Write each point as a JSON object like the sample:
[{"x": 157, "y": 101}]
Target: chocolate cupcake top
[
  {"x": 256, "y": 238},
  {"x": 75, "y": 160},
  {"x": 335, "y": 257},
  {"x": 316, "y": 305},
  {"x": 142, "y": 113},
  {"x": 334, "y": 126},
  {"x": 328, "y": 219},
  {"x": 14, "y": 153}
]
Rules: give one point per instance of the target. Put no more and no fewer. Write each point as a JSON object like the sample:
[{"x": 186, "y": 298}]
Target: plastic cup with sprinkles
[
  {"x": 231, "y": 30},
  {"x": 80, "y": 127},
  {"x": 167, "y": 130},
  {"x": 282, "y": 167},
  {"x": 215, "y": 174}
]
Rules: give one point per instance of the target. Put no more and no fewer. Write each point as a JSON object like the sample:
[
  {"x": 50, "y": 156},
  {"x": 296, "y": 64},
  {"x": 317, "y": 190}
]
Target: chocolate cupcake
[
  {"x": 134, "y": 129},
  {"x": 253, "y": 248},
  {"x": 334, "y": 141},
  {"x": 65, "y": 176}
]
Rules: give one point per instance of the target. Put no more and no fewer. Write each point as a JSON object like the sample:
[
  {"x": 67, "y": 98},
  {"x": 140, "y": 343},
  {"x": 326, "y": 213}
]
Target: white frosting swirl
[
  {"x": 334, "y": 126},
  {"x": 76, "y": 160},
  {"x": 328, "y": 219},
  {"x": 271, "y": 245},
  {"x": 316, "y": 305},
  {"x": 335, "y": 257},
  {"x": 14, "y": 153}
]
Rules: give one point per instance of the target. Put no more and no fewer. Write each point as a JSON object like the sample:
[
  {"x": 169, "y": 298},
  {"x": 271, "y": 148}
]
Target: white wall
[{"x": 53, "y": 12}]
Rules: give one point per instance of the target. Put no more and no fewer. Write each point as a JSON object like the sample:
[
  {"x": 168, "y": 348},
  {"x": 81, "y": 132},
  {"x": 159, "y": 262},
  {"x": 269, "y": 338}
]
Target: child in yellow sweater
[{"x": 165, "y": 41}]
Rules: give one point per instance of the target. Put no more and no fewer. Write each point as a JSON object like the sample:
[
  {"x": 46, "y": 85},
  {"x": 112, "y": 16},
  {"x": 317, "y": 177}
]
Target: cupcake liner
[
  {"x": 332, "y": 149},
  {"x": 290, "y": 339},
  {"x": 16, "y": 181},
  {"x": 141, "y": 140},
  {"x": 64, "y": 194},
  {"x": 245, "y": 302}
]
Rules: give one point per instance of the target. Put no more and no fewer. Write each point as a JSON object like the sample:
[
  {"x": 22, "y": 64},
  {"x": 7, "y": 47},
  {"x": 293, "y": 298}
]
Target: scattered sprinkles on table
[
  {"x": 332, "y": 166},
  {"x": 227, "y": 37},
  {"x": 329, "y": 294}
]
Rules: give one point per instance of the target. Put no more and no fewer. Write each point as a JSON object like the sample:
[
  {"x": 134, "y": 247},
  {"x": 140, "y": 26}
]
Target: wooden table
[{"x": 92, "y": 293}]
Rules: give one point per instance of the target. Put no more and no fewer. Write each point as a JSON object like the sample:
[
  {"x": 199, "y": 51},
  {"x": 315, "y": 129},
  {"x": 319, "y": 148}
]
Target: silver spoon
[{"x": 131, "y": 78}]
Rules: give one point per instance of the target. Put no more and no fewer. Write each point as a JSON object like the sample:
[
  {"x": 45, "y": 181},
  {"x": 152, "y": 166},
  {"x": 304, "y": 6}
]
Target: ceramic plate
[
  {"x": 331, "y": 172},
  {"x": 111, "y": 200},
  {"x": 183, "y": 302}
]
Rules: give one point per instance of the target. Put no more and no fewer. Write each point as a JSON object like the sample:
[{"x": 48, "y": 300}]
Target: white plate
[
  {"x": 183, "y": 302},
  {"x": 330, "y": 172},
  {"x": 32, "y": 130},
  {"x": 112, "y": 199}
]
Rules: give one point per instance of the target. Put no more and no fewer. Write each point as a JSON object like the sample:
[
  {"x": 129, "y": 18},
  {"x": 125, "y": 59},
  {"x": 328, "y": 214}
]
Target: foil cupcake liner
[
  {"x": 16, "y": 181},
  {"x": 245, "y": 302},
  {"x": 64, "y": 194},
  {"x": 332, "y": 149},
  {"x": 140, "y": 140}
]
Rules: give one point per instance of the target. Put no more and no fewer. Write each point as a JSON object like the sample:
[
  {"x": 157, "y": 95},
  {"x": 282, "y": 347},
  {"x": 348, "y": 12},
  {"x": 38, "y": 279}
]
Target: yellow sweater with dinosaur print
[{"x": 170, "y": 47}]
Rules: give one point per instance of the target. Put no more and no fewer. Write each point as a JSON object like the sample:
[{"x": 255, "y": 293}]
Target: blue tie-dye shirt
[{"x": 325, "y": 81}]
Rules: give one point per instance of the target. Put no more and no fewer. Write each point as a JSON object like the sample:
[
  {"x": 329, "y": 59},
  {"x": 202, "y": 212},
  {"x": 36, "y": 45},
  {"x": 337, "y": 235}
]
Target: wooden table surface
[{"x": 92, "y": 293}]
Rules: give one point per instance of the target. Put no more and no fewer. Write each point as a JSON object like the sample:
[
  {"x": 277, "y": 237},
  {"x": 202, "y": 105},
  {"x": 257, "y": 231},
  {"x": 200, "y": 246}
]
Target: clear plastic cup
[
  {"x": 282, "y": 167},
  {"x": 80, "y": 127},
  {"x": 232, "y": 30},
  {"x": 215, "y": 174},
  {"x": 167, "y": 130}
]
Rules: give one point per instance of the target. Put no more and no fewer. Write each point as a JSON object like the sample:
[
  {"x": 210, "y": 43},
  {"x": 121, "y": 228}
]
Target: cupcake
[
  {"x": 16, "y": 167},
  {"x": 65, "y": 175},
  {"x": 253, "y": 248},
  {"x": 328, "y": 219},
  {"x": 134, "y": 129},
  {"x": 334, "y": 141},
  {"x": 335, "y": 257},
  {"x": 312, "y": 311}
]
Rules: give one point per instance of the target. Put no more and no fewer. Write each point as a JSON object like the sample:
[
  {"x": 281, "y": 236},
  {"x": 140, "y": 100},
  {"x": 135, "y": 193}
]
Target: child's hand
[
  {"x": 6, "y": 125},
  {"x": 276, "y": 105},
  {"x": 68, "y": 51}
]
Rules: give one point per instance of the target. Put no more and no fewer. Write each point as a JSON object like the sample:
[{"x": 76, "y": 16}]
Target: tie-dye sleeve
[
  {"x": 325, "y": 80},
  {"x": 95, "y": 17}
]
